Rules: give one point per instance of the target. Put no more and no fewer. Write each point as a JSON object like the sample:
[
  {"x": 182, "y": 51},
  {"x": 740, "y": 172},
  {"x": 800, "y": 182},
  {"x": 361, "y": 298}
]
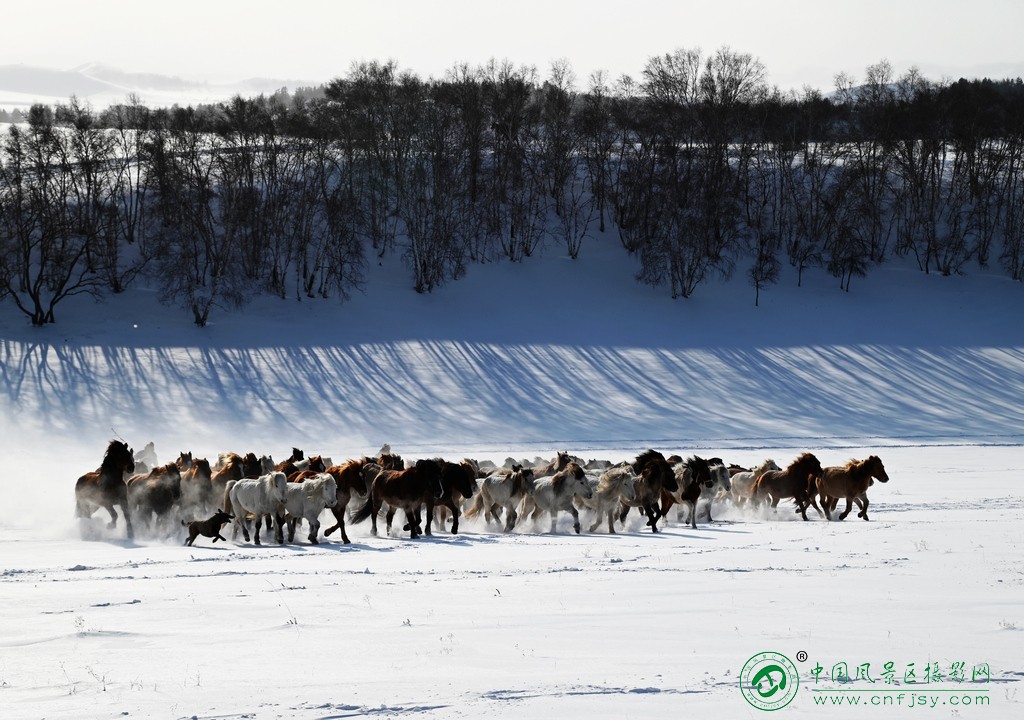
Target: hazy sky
[{"x": 799, "y": 41}]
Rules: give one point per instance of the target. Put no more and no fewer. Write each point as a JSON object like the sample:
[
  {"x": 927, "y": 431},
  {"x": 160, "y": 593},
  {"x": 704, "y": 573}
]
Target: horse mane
[
  {"x": 804, "y": 459},
  {"x": 698, "y": 465},
  {"x": 644, "y": 458},
  {"x": 613, "y": 479},
  {"x": 559, "y": 477}
]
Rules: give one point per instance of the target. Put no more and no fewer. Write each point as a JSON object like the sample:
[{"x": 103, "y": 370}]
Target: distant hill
[{"x": 101, "y": 85}]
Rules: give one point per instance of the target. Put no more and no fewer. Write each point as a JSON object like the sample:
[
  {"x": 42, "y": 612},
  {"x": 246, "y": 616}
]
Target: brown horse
[
  {"x": 153, "y": 495},
  {"x": 349, "y": 478},
  {"x": 850, "y": 481},
  {"x": 793, "y": 482},
  {"x": 561, "y": 461},
  {"x": 654, "y": 475},
  {"x": 233, "y": 468},
  {"x": 407, "y": 489},
  {"x": 693, "y": 477},
  {"x": 105, "y": 488}
]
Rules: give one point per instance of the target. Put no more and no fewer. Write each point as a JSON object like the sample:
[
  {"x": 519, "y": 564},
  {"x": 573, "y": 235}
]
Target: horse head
[
  {"x": 877, "y": 469},
  {"x": 119, "y": 457},
  {"x": 430, "y": 470},
  {"x": 580, "y": 485},
  {"x": 278, "y": 482},
  {"x": 627, "y": 486}
]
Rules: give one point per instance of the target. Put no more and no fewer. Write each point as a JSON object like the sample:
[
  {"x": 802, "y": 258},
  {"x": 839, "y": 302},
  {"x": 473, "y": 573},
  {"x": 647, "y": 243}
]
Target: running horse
[
  {"x": 850, "y": 481},
  {"x": 793, "y": 482},
  {"x": 106, "y": 487}
]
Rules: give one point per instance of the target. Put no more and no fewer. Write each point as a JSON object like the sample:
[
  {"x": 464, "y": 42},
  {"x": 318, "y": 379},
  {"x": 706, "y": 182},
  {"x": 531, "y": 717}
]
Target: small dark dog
[{"x": 208, "y": 528}]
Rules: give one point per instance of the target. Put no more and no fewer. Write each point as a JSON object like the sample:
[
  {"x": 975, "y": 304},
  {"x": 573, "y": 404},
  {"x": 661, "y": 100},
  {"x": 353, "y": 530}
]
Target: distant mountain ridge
[{"x": 102, "y": 85}]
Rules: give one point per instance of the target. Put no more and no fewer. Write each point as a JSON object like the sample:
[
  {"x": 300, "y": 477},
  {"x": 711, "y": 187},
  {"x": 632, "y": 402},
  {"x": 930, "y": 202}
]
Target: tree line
[{"x": 698, "y": 165}]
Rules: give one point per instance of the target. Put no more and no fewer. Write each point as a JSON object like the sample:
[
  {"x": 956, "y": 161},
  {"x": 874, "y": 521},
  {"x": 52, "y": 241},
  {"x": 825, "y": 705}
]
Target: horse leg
[
  {"x": 611, "y": 522},
  {"x": 278, "y": 528},
  {"x": 623, "y": 513},
  {"x": 388, "y": 517},
  {"x": 691, "y": 515},
  {"x": 455, "y": 517},
  {"x": 511, "y": 516},
  {"x": 575, "y": 519},
  {"x": 428, "y": 513},
  {"x": 849, "y": 505},
  {"x": 292, "y": 521},
  {"x": 257, "y": 529},
  {"x": 862, "y": 500},
  {"x": 652, "y": 516},
  {"x": 314, "y": 530},
  {"x": 114, "y": 515}
]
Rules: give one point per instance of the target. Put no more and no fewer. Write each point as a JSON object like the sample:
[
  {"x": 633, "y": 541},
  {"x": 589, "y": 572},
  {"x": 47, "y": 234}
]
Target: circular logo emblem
[{"x": 769, "y": 681}]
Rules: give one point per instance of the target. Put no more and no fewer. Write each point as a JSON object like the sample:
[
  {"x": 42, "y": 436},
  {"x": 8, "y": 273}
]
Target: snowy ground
[{"x": 926, "y": 372}]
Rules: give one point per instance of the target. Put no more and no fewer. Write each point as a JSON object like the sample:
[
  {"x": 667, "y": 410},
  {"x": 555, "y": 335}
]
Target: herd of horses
[{"x": 243, "y": 489}]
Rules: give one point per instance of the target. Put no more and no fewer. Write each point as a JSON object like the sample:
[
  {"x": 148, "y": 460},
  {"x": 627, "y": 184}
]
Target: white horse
[
  {"x": 743, "y": 482},
  {"x": 618, "y": 483},
  {"x": 262, "y": 496},
  {"x": 306, "y": 500},
  {"x": 502, "y": 489},
  {"x": 554, "y": 493}
]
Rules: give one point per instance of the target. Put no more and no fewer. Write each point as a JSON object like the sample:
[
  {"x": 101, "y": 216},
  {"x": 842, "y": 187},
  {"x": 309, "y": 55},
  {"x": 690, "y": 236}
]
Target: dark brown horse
[
  {"x": 153, "y": 495},
  {"x": 692, "y": 478},
  {"x": 458, "y": 482},
  {"x": 294, "y": 458},
  {"x": 314, "y": 465},
  {"x": 793, "y": 482},
  {"x": 408, "y": 489},
  {"x": 850, "y": 481},
  {"x": 105, "y": 488},
  {"x": 654, "y": 475}
]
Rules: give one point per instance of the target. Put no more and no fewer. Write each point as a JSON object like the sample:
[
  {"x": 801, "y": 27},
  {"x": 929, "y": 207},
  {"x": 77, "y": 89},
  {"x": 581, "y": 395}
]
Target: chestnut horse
[
  {"x": 850, "y": 481},
  {"x": 407, "y": 489},
  {"x": 349, "y": 478},
  {"x": 105, "y": 488},
  {"x": 233, "y": 468},
  {"x": 196, "y": 486},
  {"x": 793, "y": 482}
]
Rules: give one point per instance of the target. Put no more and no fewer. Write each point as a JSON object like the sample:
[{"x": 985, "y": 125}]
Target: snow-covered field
[{"x": 524, "y": 360}]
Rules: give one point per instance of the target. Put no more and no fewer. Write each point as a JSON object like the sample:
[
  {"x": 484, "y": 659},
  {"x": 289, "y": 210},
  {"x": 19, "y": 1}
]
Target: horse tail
[
  {"x": 476, "y": 506},
  {"x": 364, "y": 511},
  {"x": 227, "y": 498}
]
